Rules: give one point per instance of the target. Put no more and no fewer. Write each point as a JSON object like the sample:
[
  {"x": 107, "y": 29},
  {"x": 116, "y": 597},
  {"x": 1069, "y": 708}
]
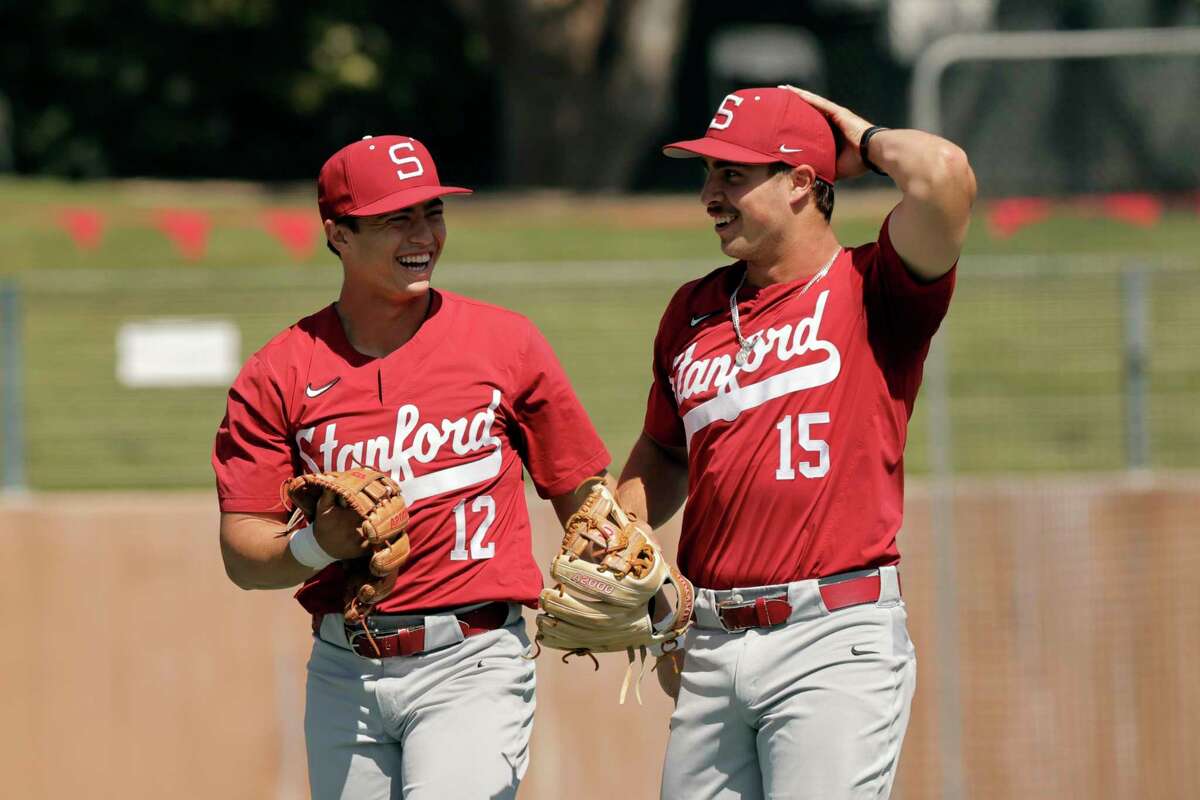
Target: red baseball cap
[
  {"x": 378, "y": 174},
  {"x": 760, "y": 126}
]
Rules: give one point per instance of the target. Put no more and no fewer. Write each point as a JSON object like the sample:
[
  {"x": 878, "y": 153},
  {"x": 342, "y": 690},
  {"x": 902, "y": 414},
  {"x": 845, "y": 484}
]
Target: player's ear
[
  {"x": 803, "y": 178},
  {"x": 336, "y": 235}
]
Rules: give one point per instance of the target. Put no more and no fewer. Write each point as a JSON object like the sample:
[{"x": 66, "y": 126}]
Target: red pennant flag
[
  {"x": 295, "y": 230},
  {"x": 1143, "y": 210},
  {"x": 85, "y": 226},
  {"x": 1006, "y": 217},
  {"x": 187, "y": 230}
]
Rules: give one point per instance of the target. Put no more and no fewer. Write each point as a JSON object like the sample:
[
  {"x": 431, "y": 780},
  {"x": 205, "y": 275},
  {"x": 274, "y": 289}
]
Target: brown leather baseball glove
[
  {"x": 381, "y": 523},
  {"x": 609, "y": 574}
]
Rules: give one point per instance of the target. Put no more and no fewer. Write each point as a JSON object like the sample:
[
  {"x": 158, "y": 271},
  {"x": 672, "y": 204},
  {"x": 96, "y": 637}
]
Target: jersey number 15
[{"x": 820, "y": 447}]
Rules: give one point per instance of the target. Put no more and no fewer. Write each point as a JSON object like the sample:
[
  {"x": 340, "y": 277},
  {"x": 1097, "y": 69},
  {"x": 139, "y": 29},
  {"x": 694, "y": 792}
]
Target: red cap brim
[
  {"x": 404, "y": 199},
  {"x": 715, "y": 148}
]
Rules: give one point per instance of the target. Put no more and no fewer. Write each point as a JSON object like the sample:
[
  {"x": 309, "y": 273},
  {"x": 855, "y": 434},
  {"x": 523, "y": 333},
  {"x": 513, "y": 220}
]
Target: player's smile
[
  {"x": 416, "y": 263},
  {"x": 723, "y": 216}
]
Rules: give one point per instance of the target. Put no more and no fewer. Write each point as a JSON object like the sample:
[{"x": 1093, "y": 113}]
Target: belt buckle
[
  {"x": 728, "y": 605},
  {"x": 760, "y": 613},
  {"x": 352, "y": 637},
  {"x": 359, "y": 632}
]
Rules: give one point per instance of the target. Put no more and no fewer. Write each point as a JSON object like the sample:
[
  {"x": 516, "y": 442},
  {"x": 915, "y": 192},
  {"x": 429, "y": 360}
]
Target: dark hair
[
  {"x": 349, "y": 222},
  {"x": 822, "y": 190}
]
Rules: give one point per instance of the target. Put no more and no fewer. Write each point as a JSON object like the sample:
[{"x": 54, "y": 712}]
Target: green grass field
[{"x": 1034, "y": 337}]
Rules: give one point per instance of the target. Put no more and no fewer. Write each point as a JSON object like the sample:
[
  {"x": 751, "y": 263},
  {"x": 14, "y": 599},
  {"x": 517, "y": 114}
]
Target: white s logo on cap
[
  {"x": 401, "y": 162},
  {"x": 717, "y": 121}
]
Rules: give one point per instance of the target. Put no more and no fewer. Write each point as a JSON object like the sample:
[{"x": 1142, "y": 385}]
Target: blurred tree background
[
  {"x": 559, "y": 93},
  {"x": 568, "y": 93},
  {"x": 257, "y": 89}
]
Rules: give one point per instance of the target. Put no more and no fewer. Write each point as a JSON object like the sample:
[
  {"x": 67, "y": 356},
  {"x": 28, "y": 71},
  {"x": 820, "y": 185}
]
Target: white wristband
[{"x": 305, "y": 549}]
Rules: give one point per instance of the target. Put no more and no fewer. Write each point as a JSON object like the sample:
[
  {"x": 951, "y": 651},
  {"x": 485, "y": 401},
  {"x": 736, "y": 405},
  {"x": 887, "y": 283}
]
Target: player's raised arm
[{"x": 929, "y": 225}]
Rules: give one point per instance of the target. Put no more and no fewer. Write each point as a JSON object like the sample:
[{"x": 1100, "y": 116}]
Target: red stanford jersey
[
  {"x": 795, "y": 459},
  {"x": 452, "y": 415}
]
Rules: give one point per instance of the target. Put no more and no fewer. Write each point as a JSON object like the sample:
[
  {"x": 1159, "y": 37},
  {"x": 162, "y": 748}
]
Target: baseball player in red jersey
[
  {"x": 450, "y": 396},
  {"x": 782, "y": 388}
]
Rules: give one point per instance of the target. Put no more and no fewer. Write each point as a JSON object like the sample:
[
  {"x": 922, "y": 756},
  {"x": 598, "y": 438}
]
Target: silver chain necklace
[{"x": 746, "y": 345}]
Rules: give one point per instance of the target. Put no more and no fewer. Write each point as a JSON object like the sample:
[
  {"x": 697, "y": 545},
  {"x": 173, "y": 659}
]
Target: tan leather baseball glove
[
  {"x": 609, "y": 573},
  {"x": 380, "y": 521}
]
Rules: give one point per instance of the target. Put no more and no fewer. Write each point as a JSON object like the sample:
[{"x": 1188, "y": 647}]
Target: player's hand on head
[
  {"x": 848, "y": 129},
  {"x": 336, "y": 528}
]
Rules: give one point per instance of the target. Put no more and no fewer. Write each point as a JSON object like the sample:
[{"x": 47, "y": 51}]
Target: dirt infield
[{"x": 129, "y": 657}]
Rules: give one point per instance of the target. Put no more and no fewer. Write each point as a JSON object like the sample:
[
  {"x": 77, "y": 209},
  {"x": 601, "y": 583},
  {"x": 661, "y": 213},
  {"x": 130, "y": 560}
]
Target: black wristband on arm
[{"x": 864, "y": 143}]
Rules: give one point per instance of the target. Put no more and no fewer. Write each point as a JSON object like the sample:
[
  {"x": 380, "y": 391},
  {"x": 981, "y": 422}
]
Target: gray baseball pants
[
  {"x": 815, "y": 708},
  {"x": 452, "y": 722}
]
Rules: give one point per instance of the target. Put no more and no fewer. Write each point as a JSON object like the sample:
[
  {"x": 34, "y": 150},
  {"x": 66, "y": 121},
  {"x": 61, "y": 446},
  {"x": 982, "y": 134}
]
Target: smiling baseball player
[
  {"x": 782, "y": 388},
  {"x": 427, "y": 695}
]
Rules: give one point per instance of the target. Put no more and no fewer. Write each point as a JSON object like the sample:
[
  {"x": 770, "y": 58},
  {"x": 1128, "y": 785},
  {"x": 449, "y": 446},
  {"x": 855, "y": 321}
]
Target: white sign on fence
[{"x": 172, "y": 351}]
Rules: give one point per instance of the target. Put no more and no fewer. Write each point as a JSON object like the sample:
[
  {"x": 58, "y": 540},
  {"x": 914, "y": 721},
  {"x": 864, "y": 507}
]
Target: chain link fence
[{"x": 1050, "y": 364}]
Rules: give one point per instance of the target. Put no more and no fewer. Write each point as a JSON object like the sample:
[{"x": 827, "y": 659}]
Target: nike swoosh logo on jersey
[
  {"x": 783, "y": 148},
  {"x": 311, "y": 392},
  {"x": 855, "y": 650},
  {"x": 696, "y": 320}
]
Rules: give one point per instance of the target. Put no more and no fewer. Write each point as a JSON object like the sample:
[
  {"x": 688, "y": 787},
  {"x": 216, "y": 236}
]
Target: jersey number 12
[{"x": 483, "y": 503}]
